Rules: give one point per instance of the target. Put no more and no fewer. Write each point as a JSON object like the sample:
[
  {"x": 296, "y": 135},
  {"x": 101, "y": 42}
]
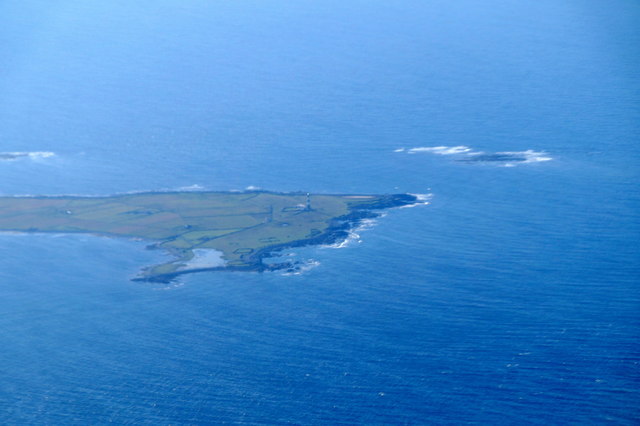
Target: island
[
  {"x": 12, "y": 155},
  {"x": 203, "y": 231}
]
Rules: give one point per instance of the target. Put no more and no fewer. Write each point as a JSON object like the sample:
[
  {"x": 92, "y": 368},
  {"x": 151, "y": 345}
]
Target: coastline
[
  {"x": 338, "y": 231},
  {"x": 327, "y": 220}
]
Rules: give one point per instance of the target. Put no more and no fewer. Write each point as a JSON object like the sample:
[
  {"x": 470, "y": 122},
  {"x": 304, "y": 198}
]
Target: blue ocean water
[{"x": 512, "y": 298}]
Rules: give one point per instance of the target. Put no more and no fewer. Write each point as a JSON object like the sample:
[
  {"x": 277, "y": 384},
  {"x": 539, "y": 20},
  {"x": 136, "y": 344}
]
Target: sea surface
[{"x": 512, "y": 298}]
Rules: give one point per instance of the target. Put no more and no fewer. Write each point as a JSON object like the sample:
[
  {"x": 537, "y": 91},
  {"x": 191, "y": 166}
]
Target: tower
[{"x": 308, "y": 208}]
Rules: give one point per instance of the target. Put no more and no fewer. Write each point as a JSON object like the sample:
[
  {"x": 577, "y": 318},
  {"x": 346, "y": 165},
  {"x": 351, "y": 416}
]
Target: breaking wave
[
  {"x": 36, "y": 155},
  {"x": 466, "y": 154},
  {"x": 441, "y": 150},
  {"x": 353, "y": 235},
  {"x": 302, "y": 267},
  {"x": 195, "y": 187},
  {"x": 174, "y": 285},
  {"x": 422, "y": 200},
  {"x": 528, "y": 156}
]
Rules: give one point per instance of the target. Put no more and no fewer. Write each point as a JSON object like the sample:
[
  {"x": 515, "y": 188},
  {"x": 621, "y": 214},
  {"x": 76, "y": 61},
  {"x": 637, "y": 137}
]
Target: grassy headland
[{"x": 244, "y": 226}]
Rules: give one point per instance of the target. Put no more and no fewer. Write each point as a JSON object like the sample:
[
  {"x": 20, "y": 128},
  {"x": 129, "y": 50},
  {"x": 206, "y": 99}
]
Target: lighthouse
[{"x": 308, "y": 208}]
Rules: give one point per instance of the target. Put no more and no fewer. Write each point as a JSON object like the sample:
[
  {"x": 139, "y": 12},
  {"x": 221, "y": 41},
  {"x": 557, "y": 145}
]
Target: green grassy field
[{"x": 243, "y": 226}]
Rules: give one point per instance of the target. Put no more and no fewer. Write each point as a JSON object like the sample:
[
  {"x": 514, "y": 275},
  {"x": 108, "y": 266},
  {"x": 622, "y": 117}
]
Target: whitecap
[
  {"x": 35, "y": 155},
  {"x": 423, "y": 197},
  {"x": 353, "y": 235},
  {"x": 301, "y": 268},
  {"x": 466, "y": 154},
  {"x": 441, "y": 150},
  {"x": 523, "y": 157},
  {"x": 536, "y": 156},
  {"x": 421, "y": 200},
  {"x": 172, "y": 286},
  {"x": 194, "y": 187},
  {"x": 351, "y": 238},
  {"x": 39, "y": 155}
]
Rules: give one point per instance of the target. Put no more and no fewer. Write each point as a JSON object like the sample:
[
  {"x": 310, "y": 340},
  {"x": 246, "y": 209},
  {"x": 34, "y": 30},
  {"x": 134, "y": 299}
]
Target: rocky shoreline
[{"x": 338, "y": 231}]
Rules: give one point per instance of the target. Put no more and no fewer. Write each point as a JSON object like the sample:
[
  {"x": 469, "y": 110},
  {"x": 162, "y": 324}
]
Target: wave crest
[
  {"x": 441, "y": 150},
  {"x": 35, "y": 155},
  {"x": 466, "y": 154}
]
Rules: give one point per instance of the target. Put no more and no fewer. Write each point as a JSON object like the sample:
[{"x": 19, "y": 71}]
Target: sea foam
[
  {"x": 353, "y": 235},
  {"x": 529, "y": 156},
  {"x": 35, "y": 155},
  {"x": 441, "y": 150},
  {"x": 302, "y": 267},
  {"x": 421, "y": 200},
  {"x": 467, "y": 154}
]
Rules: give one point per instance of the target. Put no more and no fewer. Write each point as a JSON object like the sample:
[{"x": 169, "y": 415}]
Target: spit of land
[{"x": 245, "y": 227}]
